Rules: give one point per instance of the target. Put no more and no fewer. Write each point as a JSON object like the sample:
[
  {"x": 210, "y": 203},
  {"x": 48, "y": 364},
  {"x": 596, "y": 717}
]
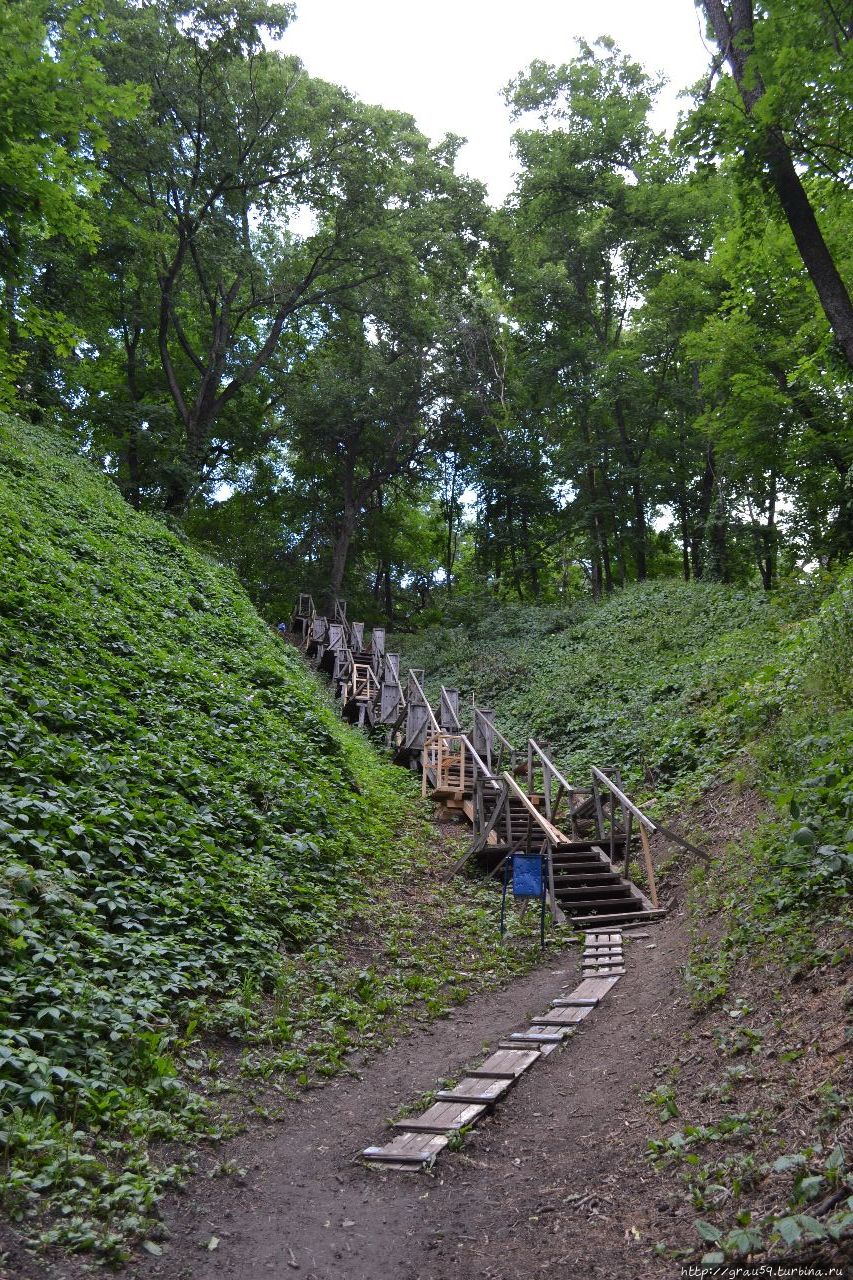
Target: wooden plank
[
  {"x": 641, "y": 915},
  {"x": 407, "y": 1150},
  {"x": 595, "y": 987},
  {"x": 472, "y": 1089},
  {"x": 442, "y": 1117},
  {"x": 533, "y": 1036},
  {"x": 572, "y": 1002},
  {"x": 506, "y": 1064},
  {"x": 564, "y": 1017}
]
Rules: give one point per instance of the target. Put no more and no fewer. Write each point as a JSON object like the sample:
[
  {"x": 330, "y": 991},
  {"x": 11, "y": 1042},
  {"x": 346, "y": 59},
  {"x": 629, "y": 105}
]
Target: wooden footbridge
[{"x": 515, "y": 798}]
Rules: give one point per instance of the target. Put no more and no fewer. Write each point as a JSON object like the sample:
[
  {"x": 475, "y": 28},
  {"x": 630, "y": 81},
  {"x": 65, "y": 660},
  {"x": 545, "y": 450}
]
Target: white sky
[{"x": 446, "y": 61}]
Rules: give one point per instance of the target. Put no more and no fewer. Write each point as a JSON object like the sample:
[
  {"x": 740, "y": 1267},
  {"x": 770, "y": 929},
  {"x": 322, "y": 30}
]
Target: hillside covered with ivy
[
  {"x": 687, "y": 687},
  {"x": 191, "y": 839}
]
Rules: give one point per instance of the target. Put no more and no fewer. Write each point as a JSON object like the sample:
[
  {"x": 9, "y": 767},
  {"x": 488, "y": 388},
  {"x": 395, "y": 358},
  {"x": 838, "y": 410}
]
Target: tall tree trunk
[
  {"x": 618, "y": 540},
  {"x": 706, "y": 498},
  {"x": 132, "y": 490},
  {"x": 735, "y": 36},
  {"x": 346, "y": 529},
  {"x": 389, "y": 597},
  {"x": 685, "y": 531},
  {"x": 634, "y": 457},
  {"x": 604, "y": 547},
  {"x": 640, "y": 530}
]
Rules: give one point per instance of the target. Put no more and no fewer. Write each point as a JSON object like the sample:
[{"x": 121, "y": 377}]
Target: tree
[
  {"x": 601, "y": 209},
  {"x": 55, "y": 108},
  {"x": 236, "y": 145},
  {"x": 755, "y": 53}
]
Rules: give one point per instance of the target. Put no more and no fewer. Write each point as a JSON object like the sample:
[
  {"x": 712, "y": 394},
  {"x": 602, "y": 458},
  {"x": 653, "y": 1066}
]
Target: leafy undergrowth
[
  {"x": 640, "y": 679},
  {"x": 697, "y": 691},
  {"x": 754, "y": 1140},
  {"x": 193, "y": 846}
]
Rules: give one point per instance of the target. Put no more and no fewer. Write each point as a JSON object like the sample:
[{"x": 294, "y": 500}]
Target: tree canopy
[{"x": 284, "y": 317}]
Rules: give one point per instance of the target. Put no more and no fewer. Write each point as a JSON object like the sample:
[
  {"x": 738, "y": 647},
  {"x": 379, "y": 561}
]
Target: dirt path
[{"x": 554, "y": 1182}]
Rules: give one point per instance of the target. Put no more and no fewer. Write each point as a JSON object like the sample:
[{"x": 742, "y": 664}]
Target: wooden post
[
  {"x": 612, "y": 807},
  {"x": 599, "y": 812},
  {"x": 650, "y": 872},
  {"x": 555, "y": 910}
]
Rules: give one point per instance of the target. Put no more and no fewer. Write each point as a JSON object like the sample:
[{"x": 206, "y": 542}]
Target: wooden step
[
  {"x": 600, "y": 895},
  {"x": 580, "y": 864},
  {"x": 631, "y": 904},
  {"x": 642, "y": 913},
  {"x": 442, "y": 1117},
  {"x": 408, "y": 1150},
  {"x": 506, "y": 1064}
]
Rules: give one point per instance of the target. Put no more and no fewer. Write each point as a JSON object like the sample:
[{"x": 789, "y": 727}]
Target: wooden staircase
[{"x": 516, "y": 801}]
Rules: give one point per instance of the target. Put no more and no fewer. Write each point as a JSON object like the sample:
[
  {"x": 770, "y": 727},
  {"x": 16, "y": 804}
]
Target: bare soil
[
  {"x": 555, "y": 1178},
  {"x": 555, "y": 1182}
]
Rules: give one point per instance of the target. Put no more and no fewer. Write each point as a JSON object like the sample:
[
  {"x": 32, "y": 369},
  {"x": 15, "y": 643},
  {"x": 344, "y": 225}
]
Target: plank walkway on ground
[{"x": 422, "y": 1137}]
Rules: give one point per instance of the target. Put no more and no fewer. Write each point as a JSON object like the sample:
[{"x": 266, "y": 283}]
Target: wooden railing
[
  {"x": 497, "y": 751},
  {"x": 362, "y": 685},
  {"x": 420, "y": 717},
  {"x": 392, "y": 700},
  {"x": 560, "y": 798},
  {"x": 448, "y": 710},
  {"x": 603, "y": 781}
]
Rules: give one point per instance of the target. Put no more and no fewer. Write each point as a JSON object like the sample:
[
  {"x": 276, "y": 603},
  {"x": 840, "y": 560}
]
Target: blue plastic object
[
  {"x": 526, "y": 873},
  {"x": 528, "y": 879}
]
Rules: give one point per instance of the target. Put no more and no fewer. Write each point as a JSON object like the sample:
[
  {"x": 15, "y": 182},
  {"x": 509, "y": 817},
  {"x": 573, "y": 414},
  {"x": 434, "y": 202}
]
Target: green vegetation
[
  {"x": 704, "y": 693},
  {"x": 283, "y": 327},
  {"x": 217, "y": 269},
  {"x": 684, "y": 685},
  {"x": 196, "y": 854}
]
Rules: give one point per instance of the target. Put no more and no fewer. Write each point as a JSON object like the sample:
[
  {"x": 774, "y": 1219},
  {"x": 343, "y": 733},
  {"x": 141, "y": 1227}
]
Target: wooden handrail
[
  {"x": 555, "y": 836},
  {"x": 495, "y": 730},
  {"x": 486, "y": 772},
  {"x": 445, "y": 701},
  {"x": 567, "y": 787},
  {"x": 627, "y": 804},
  {"x": 436, "y": 726}
]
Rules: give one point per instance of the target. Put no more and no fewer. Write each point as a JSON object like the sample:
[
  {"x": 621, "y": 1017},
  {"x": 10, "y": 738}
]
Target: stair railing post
[
  {"x": 552, "y": 893},
  {"x": 612, "y": 808},
  {"x": 599, "y": 812},
  {"x": 650, "y": 871}
]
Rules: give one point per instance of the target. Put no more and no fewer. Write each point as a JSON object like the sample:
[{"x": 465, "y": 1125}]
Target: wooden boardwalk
[
  {"x": 515, "y": 799},
  {"x": 420, "y": 1138}
]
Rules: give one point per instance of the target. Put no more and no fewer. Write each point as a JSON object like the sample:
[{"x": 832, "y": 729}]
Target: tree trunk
[
  {"x": 685, "y": 532},
  {"x": 640, "y": 532},
  {"x": 346, "y": 529},
  {"x": 389, "y": 598},
  {"x": 634, "y": 457},
  {"x": 735, "y": 36},
  {"x": 706, "y": 497}
]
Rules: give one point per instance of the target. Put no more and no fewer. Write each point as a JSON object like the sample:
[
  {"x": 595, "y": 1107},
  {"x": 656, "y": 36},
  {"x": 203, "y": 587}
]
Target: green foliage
[
  {"x": 190, "y": 837},
  {"x": 637, "y": 680},
  {"x": 55, "y": 106}
]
